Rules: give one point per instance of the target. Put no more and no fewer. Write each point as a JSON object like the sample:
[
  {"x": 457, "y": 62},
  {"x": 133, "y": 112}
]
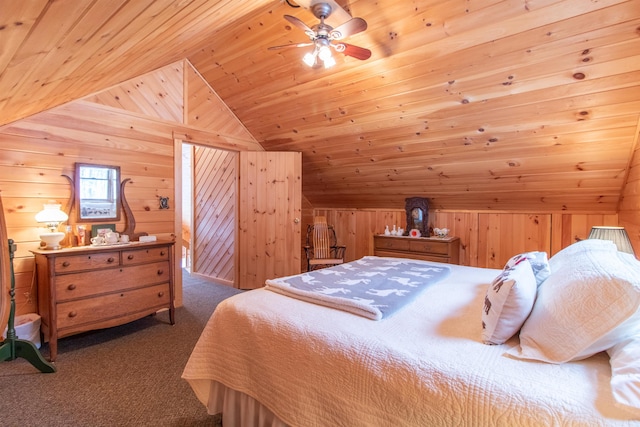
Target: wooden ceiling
[{"x": 526, "y": 105}]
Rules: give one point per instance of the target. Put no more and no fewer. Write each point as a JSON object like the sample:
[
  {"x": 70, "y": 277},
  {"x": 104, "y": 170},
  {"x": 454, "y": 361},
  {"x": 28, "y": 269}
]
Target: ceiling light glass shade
[
  {"x": 617, "y": 235},
  {"x": 324, "y": 53},
  {"x": 52, "y": 216},
  {"x": 329, "y": 62},
  {"x": 310, "y": 58}
]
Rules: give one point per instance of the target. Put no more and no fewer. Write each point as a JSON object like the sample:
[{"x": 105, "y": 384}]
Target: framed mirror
[
  {"x": 97, "y": 189},
  {"x": 417, "y": 210}
]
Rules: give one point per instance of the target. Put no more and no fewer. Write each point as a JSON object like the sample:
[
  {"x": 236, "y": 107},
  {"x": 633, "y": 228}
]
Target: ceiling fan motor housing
[{"x": 321, "y": 10}]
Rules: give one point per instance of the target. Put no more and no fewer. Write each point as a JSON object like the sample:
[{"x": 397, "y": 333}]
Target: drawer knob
[
  {"x": 66, "y": 264},
  {"x": 161, "y": 294},
  {"x": 161, "y": 253},
  {"x": 71, "y": 287},
  {"x": 130, "y": 257},
  {"x": 110, "y": 260},
  {"x": 73, "y": 313},
  {"x": 160, "y": 272}
]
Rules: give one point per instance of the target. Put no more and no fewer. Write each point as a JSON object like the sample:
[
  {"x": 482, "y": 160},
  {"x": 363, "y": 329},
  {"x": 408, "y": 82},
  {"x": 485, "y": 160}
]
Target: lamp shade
[
  {"x": 617, "y": 235},
  {"x": 51, "y": 214}
]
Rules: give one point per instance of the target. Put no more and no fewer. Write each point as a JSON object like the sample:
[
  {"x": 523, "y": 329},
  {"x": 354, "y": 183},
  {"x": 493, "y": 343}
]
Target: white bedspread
[{"x": 424, "y": 366}]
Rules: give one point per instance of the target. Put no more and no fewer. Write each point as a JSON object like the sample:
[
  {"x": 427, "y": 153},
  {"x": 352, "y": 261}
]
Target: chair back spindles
[
  {"x": 322, "y": 248},
  {"x": 321, "y": 242}
]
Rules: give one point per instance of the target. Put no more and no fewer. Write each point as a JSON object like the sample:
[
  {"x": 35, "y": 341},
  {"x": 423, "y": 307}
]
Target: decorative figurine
[{"x": 164, "y": 202}]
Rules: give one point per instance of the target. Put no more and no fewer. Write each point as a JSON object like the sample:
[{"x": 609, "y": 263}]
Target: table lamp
[
  {"x": 52, "y": 216},
  {"x": 617, "y": 235}
]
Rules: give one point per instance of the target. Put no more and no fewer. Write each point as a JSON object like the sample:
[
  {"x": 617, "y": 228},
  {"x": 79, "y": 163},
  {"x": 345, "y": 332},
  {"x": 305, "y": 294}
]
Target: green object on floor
[{"x": 12, "y": 347}]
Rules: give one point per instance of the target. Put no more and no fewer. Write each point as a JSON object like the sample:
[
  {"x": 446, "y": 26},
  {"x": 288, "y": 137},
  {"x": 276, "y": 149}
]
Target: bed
[{"x": 266, "y": 358}]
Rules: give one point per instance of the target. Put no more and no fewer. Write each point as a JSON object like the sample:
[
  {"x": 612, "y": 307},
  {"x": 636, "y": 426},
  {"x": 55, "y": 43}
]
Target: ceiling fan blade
[
  {"x": 353, "y": 51},
  {"x": 349, "y": 28},
  {"x": 284, "y": 46},
  {"x": 298, "y": 23}
]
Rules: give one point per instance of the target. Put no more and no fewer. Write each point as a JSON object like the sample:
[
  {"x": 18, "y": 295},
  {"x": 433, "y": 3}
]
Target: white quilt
[{"x": 423, "y": 366}]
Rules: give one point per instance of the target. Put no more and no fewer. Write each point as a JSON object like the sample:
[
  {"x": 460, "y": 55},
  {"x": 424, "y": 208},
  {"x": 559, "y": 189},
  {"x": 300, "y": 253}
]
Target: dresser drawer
[
  {"x": 67, "y": 264},
  {"x": 73, "y": 313},
  {"x": 425, "y": 248},
  {"x": 432, "y": 247},
  {"x": 398, "y": 244},
  {"x": 137, "y": 256},
  {"x": 89, "y": 283}
]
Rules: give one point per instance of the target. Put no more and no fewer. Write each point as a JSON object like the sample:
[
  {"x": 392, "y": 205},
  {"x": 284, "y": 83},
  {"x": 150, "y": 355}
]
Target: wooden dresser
[
  {"x": 86, "y": 288},
  {"x": 424, "y": 248}
]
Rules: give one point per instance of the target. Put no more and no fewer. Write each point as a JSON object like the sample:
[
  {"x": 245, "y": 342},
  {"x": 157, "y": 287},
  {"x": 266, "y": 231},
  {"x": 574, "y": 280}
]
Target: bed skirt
[{"x": 238, "y": 409}]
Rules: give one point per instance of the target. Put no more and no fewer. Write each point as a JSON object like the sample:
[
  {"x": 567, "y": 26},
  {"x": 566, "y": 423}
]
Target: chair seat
[{"x": 325, "y": 261}]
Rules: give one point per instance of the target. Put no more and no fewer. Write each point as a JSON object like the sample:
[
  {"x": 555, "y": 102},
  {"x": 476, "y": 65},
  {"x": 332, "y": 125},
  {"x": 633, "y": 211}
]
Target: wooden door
[{"x": 269, "y": 216}]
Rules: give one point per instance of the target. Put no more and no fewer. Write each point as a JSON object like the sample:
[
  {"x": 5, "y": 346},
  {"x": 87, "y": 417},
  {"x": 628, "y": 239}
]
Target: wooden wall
[
  {"x": 35, "y": 152},
  {"x": 629, "y": 209},
  {"x": 135, "y": 126},
  {"x": 487, "y": 239}
]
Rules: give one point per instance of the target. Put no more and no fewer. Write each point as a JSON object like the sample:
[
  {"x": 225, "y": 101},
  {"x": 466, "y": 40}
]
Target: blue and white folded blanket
[{"x": 372, "y": 287}]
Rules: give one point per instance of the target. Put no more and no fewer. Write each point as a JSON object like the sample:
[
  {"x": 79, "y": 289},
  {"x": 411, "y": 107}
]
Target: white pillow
[
  {"x": 625, "y": 360},
  {"x": 588, "y": 304},
  {"x": 590, "y": 245},
  {"x": 539, "y": 264},
  {"x": 625, "y": 373},
  {"x": 508, "y": 302}
]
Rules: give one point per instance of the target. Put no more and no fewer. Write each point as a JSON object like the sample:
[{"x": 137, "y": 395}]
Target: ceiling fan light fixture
[{"x": 323, "y": 35}]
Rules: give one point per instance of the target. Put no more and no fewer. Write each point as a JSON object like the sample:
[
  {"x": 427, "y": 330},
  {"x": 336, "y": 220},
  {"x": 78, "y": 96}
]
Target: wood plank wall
[
  {"x": 133, "y": 126},
  {"x": 35, "y": 152},
  {"x": 487, "y": 239},
  {"x": 629, "y": 209}
]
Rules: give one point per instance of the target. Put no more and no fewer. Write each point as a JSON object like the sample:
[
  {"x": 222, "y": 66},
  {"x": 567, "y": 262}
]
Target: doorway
[{"x": 209, "y": 189}]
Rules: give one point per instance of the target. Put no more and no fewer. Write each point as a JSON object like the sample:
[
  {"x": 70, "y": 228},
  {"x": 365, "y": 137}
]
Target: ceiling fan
[{"x": 324, "y": 37}]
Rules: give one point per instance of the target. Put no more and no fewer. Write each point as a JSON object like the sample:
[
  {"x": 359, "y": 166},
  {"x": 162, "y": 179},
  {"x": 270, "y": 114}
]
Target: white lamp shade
[
  {"x": 51, "y": 214},
  {"x": 617, "y": 235}
]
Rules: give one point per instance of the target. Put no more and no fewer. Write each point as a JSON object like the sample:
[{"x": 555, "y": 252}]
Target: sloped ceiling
[{"x": 528, "y": 105}]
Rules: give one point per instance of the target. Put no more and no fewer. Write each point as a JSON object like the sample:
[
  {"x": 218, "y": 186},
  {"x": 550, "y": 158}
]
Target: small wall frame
[{"x": 417, "y": 210}]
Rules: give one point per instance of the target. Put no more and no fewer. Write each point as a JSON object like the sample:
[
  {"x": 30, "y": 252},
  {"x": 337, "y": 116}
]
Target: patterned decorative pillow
[
  {"x": 508, "y": 302},
  {"x": 539, "y": 263}
]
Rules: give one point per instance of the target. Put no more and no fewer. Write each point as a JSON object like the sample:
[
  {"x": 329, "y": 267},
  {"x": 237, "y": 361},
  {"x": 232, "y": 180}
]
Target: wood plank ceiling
[{"x": 525, "y": 105}]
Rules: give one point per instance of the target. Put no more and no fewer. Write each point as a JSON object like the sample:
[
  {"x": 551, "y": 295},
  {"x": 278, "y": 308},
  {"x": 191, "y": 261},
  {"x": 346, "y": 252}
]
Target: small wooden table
[{"x": 424, "y": 248}]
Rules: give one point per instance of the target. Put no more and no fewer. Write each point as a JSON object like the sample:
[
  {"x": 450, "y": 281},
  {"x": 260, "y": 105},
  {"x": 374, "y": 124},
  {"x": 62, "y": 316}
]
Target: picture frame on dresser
[{"x": 101, "y": 229}]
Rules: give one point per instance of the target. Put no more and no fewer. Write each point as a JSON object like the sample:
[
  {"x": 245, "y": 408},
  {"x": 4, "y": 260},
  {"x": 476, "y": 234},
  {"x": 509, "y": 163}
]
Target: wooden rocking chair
[{"x": 322, "y": 247}]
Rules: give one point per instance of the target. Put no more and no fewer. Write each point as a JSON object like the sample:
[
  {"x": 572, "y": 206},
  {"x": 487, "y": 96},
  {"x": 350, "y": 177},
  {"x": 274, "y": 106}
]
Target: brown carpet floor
[{"x": 123, "y": 376}]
